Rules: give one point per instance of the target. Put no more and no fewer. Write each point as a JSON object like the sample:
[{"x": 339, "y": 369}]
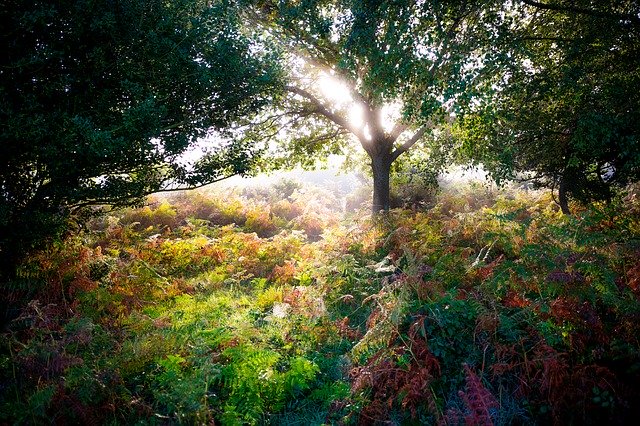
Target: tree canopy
[
  {"x": 399, "y": 65},
  {"x": 563, "y": 106},
  {"x": 99, "y": 100},
  {"x": 548, "y": 89}
]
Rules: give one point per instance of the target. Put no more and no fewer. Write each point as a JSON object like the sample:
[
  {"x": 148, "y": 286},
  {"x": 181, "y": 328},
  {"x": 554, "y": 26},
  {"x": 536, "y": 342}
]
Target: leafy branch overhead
[
  {"x": 562, "y": 106},
  {"x": 100, "y": 100}
]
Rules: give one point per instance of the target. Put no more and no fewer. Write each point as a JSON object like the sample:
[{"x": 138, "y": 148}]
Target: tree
[
  {"x": 100, "y": 98},
  {"x": 564, "y": 104},
  {"x": 400, "y": 63}
]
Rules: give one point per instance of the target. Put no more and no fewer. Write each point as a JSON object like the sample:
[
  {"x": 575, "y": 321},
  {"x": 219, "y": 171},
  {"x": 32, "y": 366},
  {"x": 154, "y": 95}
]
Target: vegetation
[
  {"x": 150, "y": 80},
  {"x": 125, "y": 300},
  {"x": 390, "y": 90},
  {"x": 538, "y": 91},
  {"x": 562, "y": 104},
  {"x": 100, "y": 99},
  {"x": 491, "y": 307}
]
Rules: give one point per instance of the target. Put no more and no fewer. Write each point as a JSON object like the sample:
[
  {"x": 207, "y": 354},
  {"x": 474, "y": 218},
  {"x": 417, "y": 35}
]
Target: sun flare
[{"x": 339, "y": 94}]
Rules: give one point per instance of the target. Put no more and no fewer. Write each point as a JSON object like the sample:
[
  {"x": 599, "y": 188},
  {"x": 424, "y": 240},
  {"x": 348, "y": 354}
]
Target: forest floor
[{"x": 285, "y": 305}]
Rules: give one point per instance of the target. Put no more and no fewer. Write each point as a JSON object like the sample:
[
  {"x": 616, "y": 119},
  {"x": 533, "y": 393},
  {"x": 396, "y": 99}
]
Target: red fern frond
[{"x": 478, "y": 400}]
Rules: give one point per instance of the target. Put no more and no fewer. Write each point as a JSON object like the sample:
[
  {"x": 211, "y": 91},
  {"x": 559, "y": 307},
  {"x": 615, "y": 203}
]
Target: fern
[
  {"x": 480, "y": 404},
  {"x": 375, "y": 338}
]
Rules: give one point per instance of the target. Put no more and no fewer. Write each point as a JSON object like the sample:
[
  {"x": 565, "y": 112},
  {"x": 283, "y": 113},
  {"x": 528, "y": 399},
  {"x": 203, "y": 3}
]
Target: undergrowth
[{"x": 273, "y": 306}]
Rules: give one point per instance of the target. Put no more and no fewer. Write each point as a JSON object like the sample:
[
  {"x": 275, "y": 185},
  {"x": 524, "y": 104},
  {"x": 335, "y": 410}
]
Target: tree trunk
[
  {"x": 563, "y": 199},
  {"x": 381, "y": 167}
]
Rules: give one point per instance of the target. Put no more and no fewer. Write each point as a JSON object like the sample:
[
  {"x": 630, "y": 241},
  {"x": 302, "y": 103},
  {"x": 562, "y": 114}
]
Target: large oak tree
[{"x": 401, "y": 64}]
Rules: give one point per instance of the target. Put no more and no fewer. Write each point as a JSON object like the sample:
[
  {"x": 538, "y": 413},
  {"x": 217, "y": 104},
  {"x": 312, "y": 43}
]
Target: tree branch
[
  {"x": 535, "y": 38},
  {"x": 409, "y": 143},
  {"x": 196, "y": 186},
  {"x": 326, "y": 136},
  {"x": 270, "y": 119},
  {"x": 372, "y": 119},
  {"x": 590, "y": 12},
  {"x": 124, "y": 200},
  {"x": 322, "y": 109},
  {"x": 397, "y": 130}
]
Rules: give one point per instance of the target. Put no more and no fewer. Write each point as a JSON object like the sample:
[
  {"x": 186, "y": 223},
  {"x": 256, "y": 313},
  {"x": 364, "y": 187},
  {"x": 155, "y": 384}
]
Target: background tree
[
  {"x": 397, "y": 67},
  {"x": 564, "y": 104},
  {"x": 99, "y": 99}
]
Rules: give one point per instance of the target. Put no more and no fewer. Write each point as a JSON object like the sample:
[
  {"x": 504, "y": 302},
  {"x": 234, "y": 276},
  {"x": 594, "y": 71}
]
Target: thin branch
[
  {"x": 590, "y": 12},
  {"x": 397, "y": 130},
  {"x": 271, "y": 119},
  {"x": 323, "y": 110},
  {"x": 190, "y": 187},
  {"x": 326, "y": 136},
  {"x": 409, "y": 143},
  {"x": 284, "y": 125},
  {"x": 110, "y": 201},
  {"x": 535, "y": 38}
]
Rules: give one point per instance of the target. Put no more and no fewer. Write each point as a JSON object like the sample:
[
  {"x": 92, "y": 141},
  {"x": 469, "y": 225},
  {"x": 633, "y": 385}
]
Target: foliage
[
  {"x": 561, "y": 106},
  {"x": 491, "y": 307},
  {"x": 379, "y": 75},
  {"x": 100, "y": 99}
]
